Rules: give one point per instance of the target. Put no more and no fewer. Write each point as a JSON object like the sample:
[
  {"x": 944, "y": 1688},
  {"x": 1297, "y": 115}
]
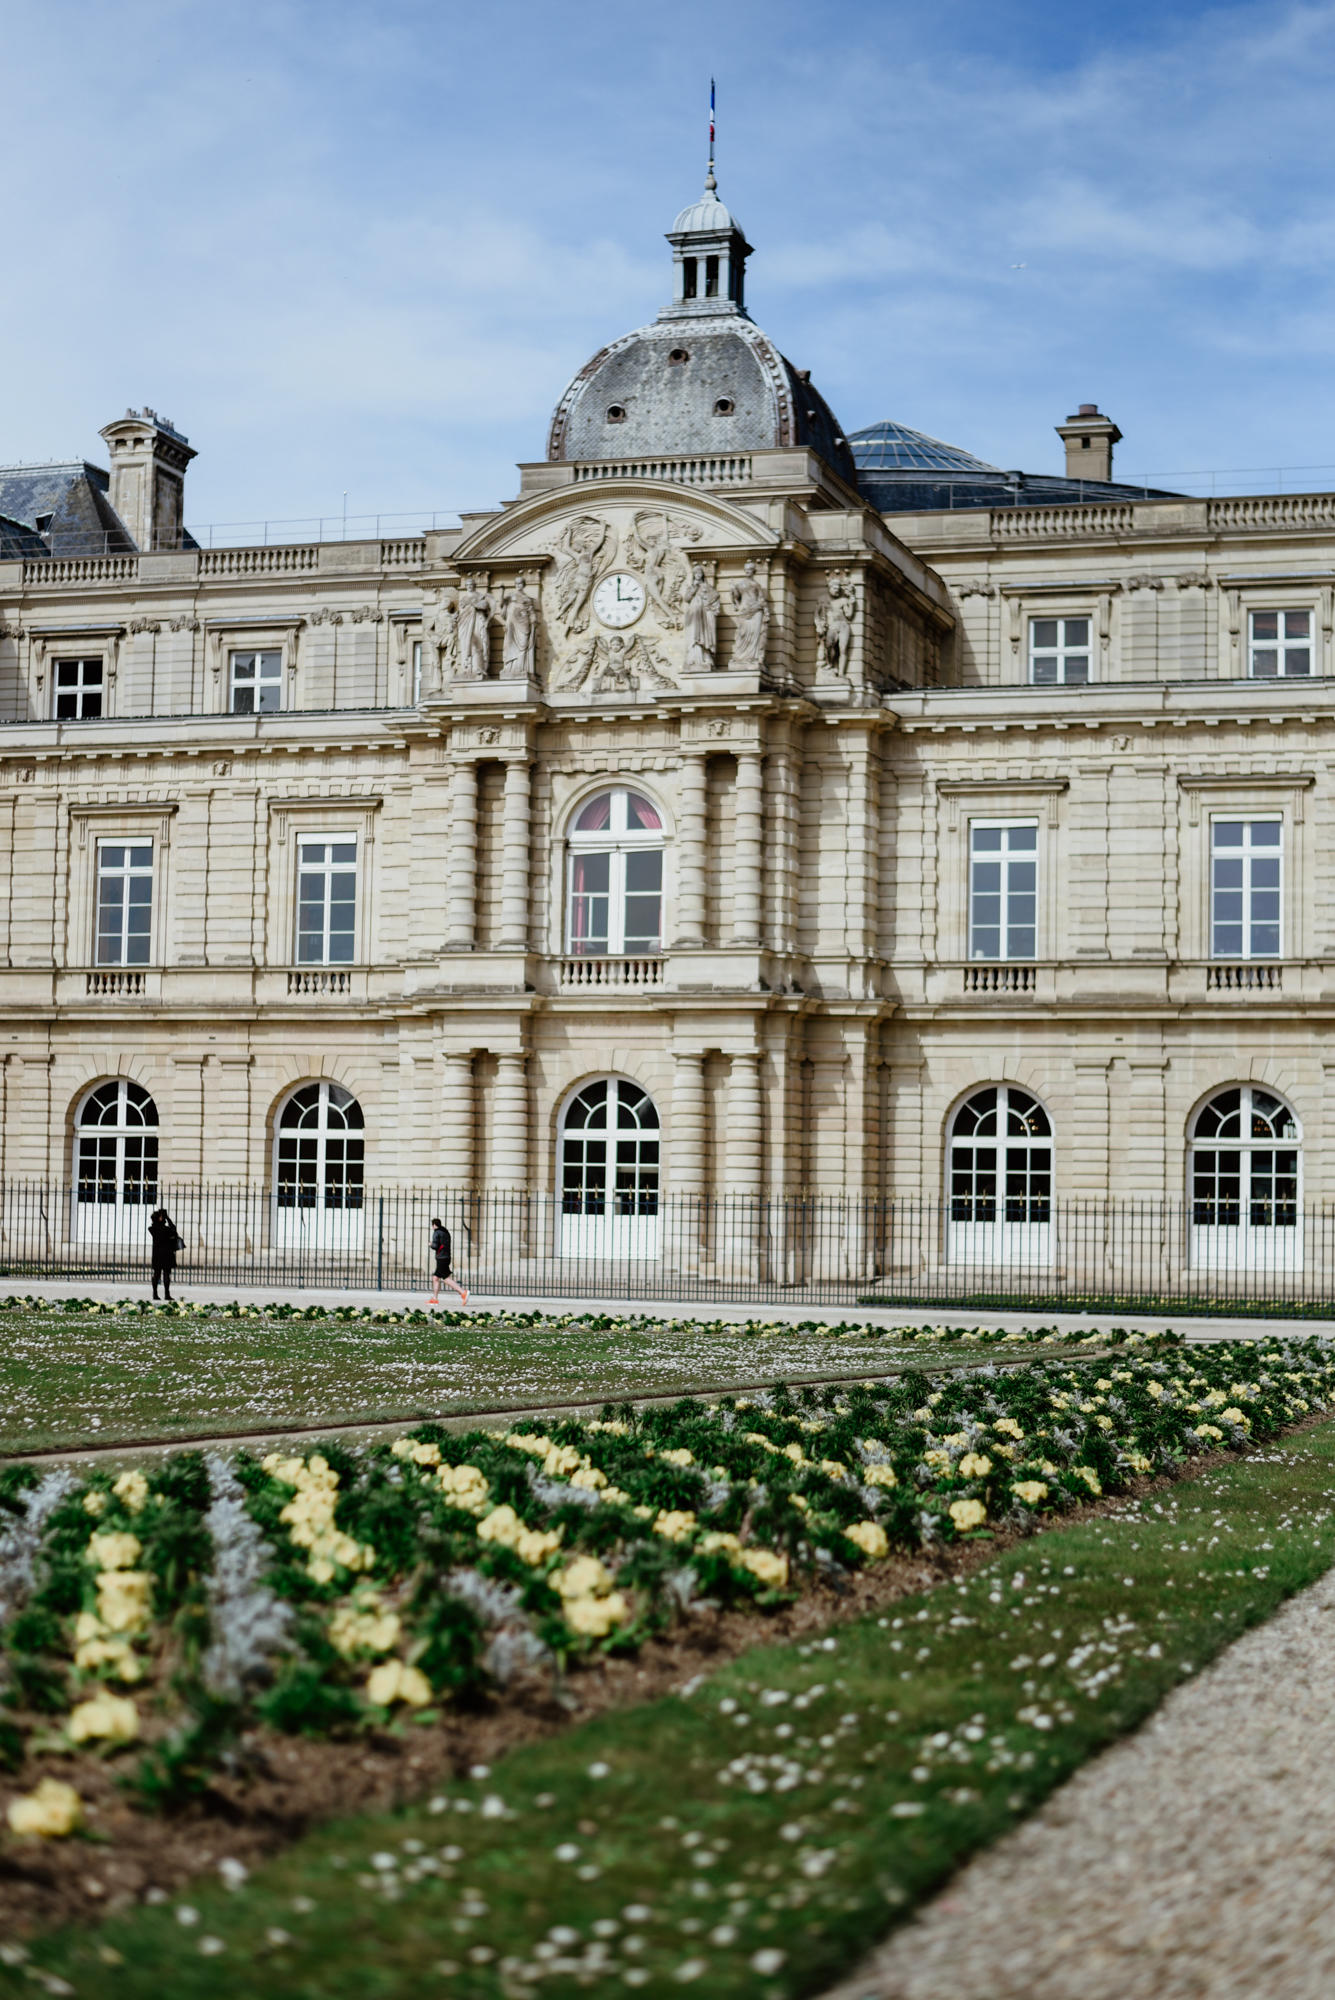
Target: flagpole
[{"x": 710, "y": 182}]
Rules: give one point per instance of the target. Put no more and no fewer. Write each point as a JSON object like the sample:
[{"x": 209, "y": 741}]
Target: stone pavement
[
  {"x": 1193, "y": 1861},
  {"x": 667, "y": 1309}
]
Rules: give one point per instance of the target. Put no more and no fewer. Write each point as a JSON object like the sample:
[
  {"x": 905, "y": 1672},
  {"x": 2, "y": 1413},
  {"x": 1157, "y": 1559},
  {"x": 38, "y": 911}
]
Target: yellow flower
[
  {"x": 879, "y": 1475},
  {"x": 122, "y": 1598},
  {"x": 112, "y": 1718},
  {"x": 868, "y": 1536},
  {"x": 586, "y": 1576},
  {"x": 974, "y": 1465},
  {"x": 594, "y": 1617},
  {"x": 1104, "y": 1423},
  {"x": 771, "y": 1569},
  {"x": 284, "y": 1470},
  {"x": 796, "y": 1453},
  {"x": 1009, "y": 1426},
  {"x": 589, "y": 1478},
  {"x": 1031, "y": 1491},
  {"x": 531, "y": 1545},
  {"x": 1235, "y": 1417},
  {"x": 391, "y": 1681},
  {"x": 464, "y": 1486},
  {"x": 113, "y": 1551},
  {"x": 363, "y": 1628},
  {"x": 529, "y": 1441},
  {"x": 717, "y": 1542},
  {"x": 53, "y": 1810},
  {"x": 682, "y": 1457},
  {"x": 1090, "y": 1477},
  {"x": 425, "y": 1454},
  {"x": 132, "y": 1489},
  {"x": 561, "y": 1460},
  {"x": 833, "y": 1468},
  {"x": 674, "y": 1526},
  {"x": 1155, "y": 1389},
  {"x": 938, "y": 1460},
  {"x": 967, "y": 1514},
  {"x": 113, "y": 1654},
  {"x": 95, "y": 1502}
]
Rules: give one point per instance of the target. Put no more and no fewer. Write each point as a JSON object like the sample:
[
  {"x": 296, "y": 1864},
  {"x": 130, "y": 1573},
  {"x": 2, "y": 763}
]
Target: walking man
[
  {"x": 440, "y": 1250},
  {"x": 166, "y": 1243}
]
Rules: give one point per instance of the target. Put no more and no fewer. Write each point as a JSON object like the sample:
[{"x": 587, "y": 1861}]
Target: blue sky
[{"x": 355, "y": 248}]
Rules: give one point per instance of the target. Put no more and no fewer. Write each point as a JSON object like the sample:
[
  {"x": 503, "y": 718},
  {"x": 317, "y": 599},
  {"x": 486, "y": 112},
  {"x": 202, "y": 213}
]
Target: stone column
[
  {"x": 746, "y": 1125},
  {"x": 749, "y": 838},
  {"x": 461, "y": 879},
  {"x": 456, "y": 1121},
  {"x": 509, "y": 1147},
  {"x": 691, "y": 835},
  {"x": 785, "y": 835},
  {"x": 515, "y": 857},
  {"x": 686, "y": 1165}
]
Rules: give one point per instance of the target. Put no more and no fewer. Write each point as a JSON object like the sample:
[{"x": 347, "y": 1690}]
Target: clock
[{"x": 619, "y": 599}]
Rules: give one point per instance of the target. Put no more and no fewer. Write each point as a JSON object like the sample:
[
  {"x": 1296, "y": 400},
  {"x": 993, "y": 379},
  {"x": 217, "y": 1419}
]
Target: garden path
[{"x": 1191, "y": 1862}]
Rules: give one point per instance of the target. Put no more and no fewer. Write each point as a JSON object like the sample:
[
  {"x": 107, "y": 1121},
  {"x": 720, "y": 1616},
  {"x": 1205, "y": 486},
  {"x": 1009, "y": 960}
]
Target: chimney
[
  {"x": 1089, "y": 439},
  {"x": 148, "y": 461}
]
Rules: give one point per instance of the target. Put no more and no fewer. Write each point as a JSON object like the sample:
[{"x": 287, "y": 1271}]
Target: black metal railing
[{"x": 821, "y": 1250}]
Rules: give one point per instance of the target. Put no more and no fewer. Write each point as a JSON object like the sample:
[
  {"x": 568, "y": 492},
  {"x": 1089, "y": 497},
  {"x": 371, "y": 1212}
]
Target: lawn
[
  {"x": 71, "y": 1377},
  {"x": 754, "y": 1834}
]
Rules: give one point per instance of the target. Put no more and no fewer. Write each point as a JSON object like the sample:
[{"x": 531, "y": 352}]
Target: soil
[{"x": 291, "y": 1784}]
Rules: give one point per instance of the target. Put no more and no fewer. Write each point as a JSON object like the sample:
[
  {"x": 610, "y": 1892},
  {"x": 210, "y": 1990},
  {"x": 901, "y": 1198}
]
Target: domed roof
[
  {"x": 892, "y": 447},
  {"x": 708, "y": 215}
]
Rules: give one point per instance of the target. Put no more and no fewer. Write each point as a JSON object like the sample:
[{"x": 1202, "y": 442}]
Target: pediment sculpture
[
  {"x": 653, "y": 549},
  {"x": 750, "y": 604},
  {"x": 613, "y": 665},
  {"x": 584, "y": 552},
  {"x": 834, "y": 625}
]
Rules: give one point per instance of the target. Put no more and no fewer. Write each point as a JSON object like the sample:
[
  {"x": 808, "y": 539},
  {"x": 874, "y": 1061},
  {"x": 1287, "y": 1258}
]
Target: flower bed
[{"x": 150, "y": 1616}]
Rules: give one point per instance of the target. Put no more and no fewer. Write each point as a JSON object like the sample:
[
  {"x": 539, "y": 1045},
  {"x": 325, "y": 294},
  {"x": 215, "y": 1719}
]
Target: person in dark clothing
[
  {"x": 166, "y": 1243},
  {"x": 440, "y": 1250}
]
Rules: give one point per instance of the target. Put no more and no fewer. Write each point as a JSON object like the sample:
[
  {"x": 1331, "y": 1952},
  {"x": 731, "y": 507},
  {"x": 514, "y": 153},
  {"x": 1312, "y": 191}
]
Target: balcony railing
[
  {"x": 117, "y": 984},
  {"x": 320, "y": 979},
  {"x": 1255, "y": 977},
  {"x": 578, "y": 972},
  {"x": 1000, "y": 979}
]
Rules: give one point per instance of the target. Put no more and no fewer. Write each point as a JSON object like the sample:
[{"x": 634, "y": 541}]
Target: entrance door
[
  {"x": 115, "y": 1165},
  {"x": 1001, "y": 1183},
  {"x": 609, "y": 1172},
  {"x": 319, "y": 1171}
]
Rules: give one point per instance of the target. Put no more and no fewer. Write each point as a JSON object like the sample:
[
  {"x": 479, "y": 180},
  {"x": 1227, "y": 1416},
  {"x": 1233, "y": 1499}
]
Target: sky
[{"x": 356, "y": 251}]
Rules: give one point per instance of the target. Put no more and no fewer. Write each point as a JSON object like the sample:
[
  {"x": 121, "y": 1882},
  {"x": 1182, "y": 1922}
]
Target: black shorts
[{"x": 442, "y": 1267}]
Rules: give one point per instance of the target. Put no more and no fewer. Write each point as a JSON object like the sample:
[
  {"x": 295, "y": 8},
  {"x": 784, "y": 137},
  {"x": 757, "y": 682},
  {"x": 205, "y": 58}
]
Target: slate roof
[{"x": 65, "y": 506}]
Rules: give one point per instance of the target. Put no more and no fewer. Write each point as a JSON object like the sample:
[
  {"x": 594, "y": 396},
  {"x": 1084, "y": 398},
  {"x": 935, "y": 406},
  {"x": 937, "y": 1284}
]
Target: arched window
[
  {"x": 609, "y": 1150},
  {"x": 615, "y": 898},
  {"x": 1244, "y": 1162},
  {"x": 320, "y": 1154},
  {"x": 116, "y": 1147},
  {"x": 1001, "y": 1158}
]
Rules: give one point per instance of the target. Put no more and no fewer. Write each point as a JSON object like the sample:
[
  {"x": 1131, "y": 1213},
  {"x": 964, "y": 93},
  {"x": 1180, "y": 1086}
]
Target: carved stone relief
[
  {"x": 834, "y": 625},
  {"x": 653, "y": 550},
  {"x": 519, "y": 650},
  {"x": 750, "y": 603},
  {"x": 584, "y": 552},
  {"x": 440, "y": 634},
  {"x": 613, "y": 666},
  {"x": 473, "y": 636},
  {"x": 701, "y": 621}
]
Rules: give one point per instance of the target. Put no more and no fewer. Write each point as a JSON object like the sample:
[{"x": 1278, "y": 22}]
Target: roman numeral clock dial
[{"x": 618, "y": 600}]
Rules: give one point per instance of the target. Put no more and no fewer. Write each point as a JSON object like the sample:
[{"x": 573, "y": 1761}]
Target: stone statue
[
  {"x": 474, "y": 635},
  {"x": 750, "y": 603},
  {"x": 519, "y": 647},
  {"x": 653, "y": 550},
  {"x": 440, "y": 635},
  {"x": 834, "y": 625},
  {"x": 702, "y": 606},
  {"x": 585, "y": 550}
]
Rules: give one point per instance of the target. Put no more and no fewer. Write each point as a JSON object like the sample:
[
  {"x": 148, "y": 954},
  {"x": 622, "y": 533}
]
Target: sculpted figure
[
  {"x": 750, "y": 603},
  {"x": 585, "y": 549},
  {"x": 521, "y": 625},
  {"x": 702, "y": 606},
  {"x": 440, "y": 636},
  {"x": 473, "y": 647},
  {"x": 834, "y": 625},
  {"x": 652, "y": 549}
]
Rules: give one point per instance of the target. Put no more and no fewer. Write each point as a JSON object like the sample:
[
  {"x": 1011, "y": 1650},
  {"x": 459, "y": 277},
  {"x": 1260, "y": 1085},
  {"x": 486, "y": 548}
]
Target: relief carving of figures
[
  {"x": 834, "y": 625},
  {"x": 519, "y": 648},
  {"x": 750, "y": 603},
  {"x": 440, "y": 636},
  {"x": 610, "y": 666},
  {"x": 653, "y": 550},
  {"x": 702, "y": 608},
  {"x": 585, "y": 550},
  {"x": 473, "y": 640}
]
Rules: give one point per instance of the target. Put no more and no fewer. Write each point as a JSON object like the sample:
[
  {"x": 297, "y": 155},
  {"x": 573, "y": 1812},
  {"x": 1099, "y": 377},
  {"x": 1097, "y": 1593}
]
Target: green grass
[
  {"x": 72, "y": 1379},
  {"x": 914, "y": 1738},
  {"x": 1134, "y": 1304}
]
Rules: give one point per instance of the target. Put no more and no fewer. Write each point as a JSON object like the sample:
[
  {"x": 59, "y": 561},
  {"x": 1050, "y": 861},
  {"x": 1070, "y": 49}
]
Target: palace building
[{"x": 749, "y": 807}]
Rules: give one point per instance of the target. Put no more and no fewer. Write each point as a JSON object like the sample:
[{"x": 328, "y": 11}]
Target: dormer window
[
  {"x": 678, "y": 357},
  {"x": 724, "y": 406},
  {"x": 711, "y": 277},
  {"x": 689, "y": 277},
  {"x": 616, "y": 413}
]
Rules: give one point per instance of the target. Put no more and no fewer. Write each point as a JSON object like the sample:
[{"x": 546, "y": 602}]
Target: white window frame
[
  {"x": 1003, "y": 955},
  {"x": 1281, "y": 645},
  {"x": 618, "y": 842},
  {"x": 1246, "y": 854},
  {"x": 328, "y": 869},
  {"x": 417, "y": 670},
  {"x": 1244, "y": 1242},
  {"x": 255, "y": 685},
  {"x": 1062, "y": 651},
  {"x": 125, "y": 874},
  {"x": 80, "y": 687}
]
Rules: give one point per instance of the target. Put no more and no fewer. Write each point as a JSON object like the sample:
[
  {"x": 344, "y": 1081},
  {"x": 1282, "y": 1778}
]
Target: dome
[
  {"x": 708, "y": 216},
  {"x": 892, "y": 447}
]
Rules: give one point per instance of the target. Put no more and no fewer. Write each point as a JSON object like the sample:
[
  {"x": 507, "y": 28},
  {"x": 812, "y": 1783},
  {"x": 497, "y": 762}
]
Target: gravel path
[{"x": 1193, "y": 1862}]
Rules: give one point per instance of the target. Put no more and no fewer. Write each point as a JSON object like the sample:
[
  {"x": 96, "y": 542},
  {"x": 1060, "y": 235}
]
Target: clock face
[{"x": 619, "y": 599}]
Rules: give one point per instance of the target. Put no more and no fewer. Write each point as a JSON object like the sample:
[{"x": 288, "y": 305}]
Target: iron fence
[{"x": 818, "y": 1250}]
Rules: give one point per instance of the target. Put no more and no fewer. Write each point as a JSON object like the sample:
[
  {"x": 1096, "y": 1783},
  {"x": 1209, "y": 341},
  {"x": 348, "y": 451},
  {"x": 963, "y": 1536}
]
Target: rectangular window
[
  {"x": 1280, "y": 644},
  {"x": 1003, "y": 889},
  {"x": 417, "y": 671},
  {"x": 124, "y": 902},
  {"x": 1245, "y": 887},
  {"x": 1058, "y": 651},
  {"x": 78, "y": 690},
  {"x": 326, "y": 900},
  {"x": 257, "y": 683}
]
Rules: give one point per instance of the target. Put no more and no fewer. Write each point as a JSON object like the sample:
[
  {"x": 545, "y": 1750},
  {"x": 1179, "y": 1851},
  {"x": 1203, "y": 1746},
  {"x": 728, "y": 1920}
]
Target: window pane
[
  {"x": 1297, "y": 624},
  {"x": 1265, "y": 624},
  {"x": 1044, "y": 631}
]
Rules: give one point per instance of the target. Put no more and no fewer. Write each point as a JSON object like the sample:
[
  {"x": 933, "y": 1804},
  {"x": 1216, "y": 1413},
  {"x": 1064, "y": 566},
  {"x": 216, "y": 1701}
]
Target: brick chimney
[
  {"x": 1089, "y": 438},
  {"x": 148, "y": 461}
]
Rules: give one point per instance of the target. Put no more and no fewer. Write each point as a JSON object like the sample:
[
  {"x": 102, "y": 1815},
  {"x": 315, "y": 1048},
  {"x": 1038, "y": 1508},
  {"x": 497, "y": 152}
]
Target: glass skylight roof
[{"x": 892, "y": 447}]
